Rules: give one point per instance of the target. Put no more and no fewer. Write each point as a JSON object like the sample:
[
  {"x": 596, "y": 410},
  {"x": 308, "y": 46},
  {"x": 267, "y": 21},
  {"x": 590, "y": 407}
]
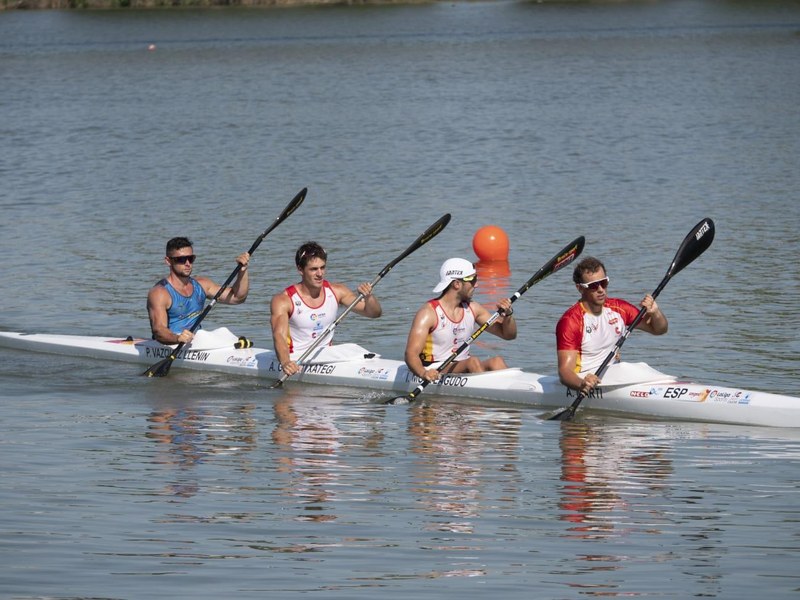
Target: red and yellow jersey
[{"x": 593, "y": 336}]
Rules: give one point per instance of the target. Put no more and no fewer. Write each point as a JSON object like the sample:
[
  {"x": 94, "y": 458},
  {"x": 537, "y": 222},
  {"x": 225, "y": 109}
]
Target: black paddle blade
[
  {"x": 160, "y": 369},
  {"x": 426, "y": 236},
  {"x": 399, "y": 400},
  {"x": 293, "y": 205},
  {"x": 565, "y": 256},
  {"x": 564, "y": 415},
  {"x": 560, "y": 414},
  {"x": 569, "y": 253},
  {"x": 694, "y": 244},
  {"x": 433, "y": 230}
]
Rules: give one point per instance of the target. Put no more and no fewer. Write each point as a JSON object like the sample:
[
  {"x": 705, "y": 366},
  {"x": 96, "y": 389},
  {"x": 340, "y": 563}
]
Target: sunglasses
[
  {"x": 594, "y": 285},
  {"x": 182, "y": 260},
  {"x": 473, "y": 279}
]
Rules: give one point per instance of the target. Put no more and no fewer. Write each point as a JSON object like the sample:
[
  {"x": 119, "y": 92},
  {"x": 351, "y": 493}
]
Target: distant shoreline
[{"x": 173, "y": 4}]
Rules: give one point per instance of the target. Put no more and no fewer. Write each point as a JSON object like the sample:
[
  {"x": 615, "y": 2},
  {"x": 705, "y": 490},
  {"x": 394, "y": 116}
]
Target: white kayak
[{"x": 628, "y": 388}]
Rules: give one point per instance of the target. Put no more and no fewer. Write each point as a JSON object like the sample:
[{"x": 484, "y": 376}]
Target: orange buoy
[{"x": 490, "y": 243}]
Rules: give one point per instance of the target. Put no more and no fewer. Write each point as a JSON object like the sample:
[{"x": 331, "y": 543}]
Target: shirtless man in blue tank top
[{"x": 175, "y": 302}]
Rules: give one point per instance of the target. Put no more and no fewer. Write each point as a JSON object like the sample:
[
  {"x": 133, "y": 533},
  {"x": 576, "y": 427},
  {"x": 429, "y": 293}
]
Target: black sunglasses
[{"x": 182, "y": 260}]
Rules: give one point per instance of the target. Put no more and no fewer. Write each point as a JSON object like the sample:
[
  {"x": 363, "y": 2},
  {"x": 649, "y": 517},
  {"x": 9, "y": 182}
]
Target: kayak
[{"x": 632, "y": 389}]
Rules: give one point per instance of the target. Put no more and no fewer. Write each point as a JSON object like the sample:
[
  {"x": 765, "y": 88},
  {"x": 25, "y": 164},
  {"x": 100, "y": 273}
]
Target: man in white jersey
[
  {"x": 590, "y": 328},
  {"x": 441, "y": 325},
  {"x": 301, "y": 312}
]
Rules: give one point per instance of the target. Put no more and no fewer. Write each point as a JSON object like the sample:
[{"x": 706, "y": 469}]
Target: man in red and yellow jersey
[{"x": 588, "y": 330}]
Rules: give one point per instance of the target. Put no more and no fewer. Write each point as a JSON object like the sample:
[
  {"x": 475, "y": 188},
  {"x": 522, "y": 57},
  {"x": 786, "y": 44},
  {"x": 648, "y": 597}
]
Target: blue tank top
[{"x": 184, "y": 309}]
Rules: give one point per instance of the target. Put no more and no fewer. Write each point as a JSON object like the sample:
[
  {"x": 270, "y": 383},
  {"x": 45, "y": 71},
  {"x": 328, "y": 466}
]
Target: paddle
[
  {"x": 694, "y": 244},
  {"x": 430, "y": 233},
  {"x": 565, "y": 256},
  {"x": 161, "y": 368}
]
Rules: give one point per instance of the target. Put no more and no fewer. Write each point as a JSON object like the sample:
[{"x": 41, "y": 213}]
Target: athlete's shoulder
[
  {"x": 478, "y": 310},
  {"x": 572, "y": 319},
  {"x": 622, "y": 307},
  {"x": 428, "y": 311},
  {"x": 282, "y": 301},
  {"x": 574, "y": 312},
  {"x": 617, "y": 303},
  {"x": 569, "y": 329},
  {"x": 159, "y": 290},
  {"x": 337, "y": 290}
]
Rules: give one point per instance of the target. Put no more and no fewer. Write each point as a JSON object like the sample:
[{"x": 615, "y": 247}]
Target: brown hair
[
  {"x": 588, "y": 265},
  {"x": 308, "y": 251}
]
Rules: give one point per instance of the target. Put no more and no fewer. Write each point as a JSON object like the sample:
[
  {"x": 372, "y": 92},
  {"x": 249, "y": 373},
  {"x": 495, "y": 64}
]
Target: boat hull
[{"x": 629, "y": 388}]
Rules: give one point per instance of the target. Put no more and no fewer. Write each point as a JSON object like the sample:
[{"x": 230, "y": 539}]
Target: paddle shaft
[
  {"x": 161, "y": 368},
  {"x": 560, "y": 260},
  {"x": 693, "y": 245},
  {"x": 426, "y": 236}
]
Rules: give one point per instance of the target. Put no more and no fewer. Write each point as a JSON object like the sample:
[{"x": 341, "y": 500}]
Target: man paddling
[
  {"x": 589, "y": 329},
  {"x": 176, "y": 301},
  {"x": 301, "y": 312},
  {"x": 443, "y": 324}
]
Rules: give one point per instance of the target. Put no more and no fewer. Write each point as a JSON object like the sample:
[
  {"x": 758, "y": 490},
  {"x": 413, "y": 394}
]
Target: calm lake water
[{"x": 623, "y": 122}]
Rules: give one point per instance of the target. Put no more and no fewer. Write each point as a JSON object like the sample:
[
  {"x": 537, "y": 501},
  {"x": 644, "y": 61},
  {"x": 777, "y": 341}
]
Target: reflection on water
[
  {"x": 679, "y": 495},
  {"x": 188, "y": 434},
  {"x": 493, "y": 282},
  {"x": 451, "y": 445},
  {"x": 308, "y": 436},
  {"x": 601, "y": 471},
  {"x": 309, "y": 486},
  {"x": 311, "y": 434}
]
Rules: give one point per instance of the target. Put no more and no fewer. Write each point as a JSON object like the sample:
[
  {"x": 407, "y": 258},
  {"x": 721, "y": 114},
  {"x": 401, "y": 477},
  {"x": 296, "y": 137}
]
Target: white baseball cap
[{"x": 452, "y": 269}]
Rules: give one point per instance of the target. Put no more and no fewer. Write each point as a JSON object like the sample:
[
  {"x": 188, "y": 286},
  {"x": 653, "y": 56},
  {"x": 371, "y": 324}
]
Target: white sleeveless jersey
[
  {"x": 306, "y": 322},
  {"x": 448, "y": 335}
]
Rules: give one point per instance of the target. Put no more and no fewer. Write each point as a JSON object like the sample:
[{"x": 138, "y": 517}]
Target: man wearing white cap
[{"x": 441, "y": 325}]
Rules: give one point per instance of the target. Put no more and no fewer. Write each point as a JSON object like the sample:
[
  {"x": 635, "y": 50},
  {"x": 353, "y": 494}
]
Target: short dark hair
[
  {"x": 308, "y": 251},
  {"x": 177, "y": 243},
  {"x": 588, "y": 265}
]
